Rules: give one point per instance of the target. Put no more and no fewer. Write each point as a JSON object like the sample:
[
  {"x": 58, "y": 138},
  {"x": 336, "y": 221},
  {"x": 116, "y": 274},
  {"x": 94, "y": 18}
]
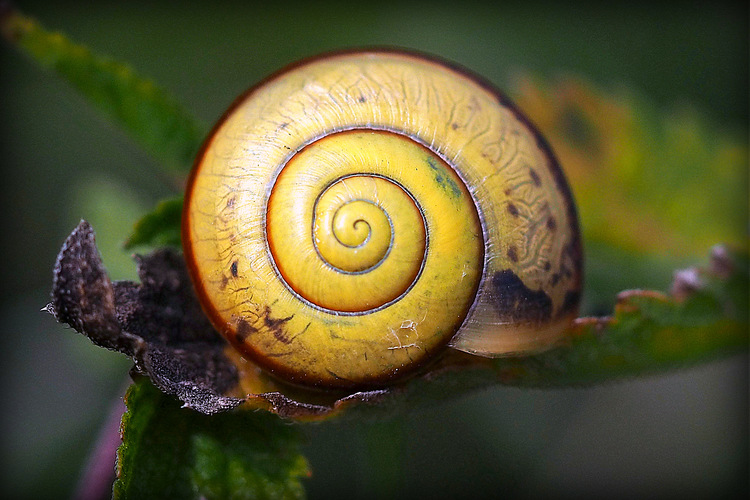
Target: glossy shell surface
[{"x": 355, "y": 214}]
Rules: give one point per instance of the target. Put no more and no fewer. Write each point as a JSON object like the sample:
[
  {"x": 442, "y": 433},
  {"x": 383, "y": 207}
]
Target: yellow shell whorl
[
  {"x": 367, "y": 241},
  {"x": 349, "y": 215}
]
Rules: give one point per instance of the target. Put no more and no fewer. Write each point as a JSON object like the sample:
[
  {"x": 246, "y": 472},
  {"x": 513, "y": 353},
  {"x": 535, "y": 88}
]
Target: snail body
[{"x": 355, "y": 215}]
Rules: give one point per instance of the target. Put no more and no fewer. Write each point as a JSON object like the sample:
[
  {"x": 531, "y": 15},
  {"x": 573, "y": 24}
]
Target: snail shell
[{"x": 354, "y": 215}]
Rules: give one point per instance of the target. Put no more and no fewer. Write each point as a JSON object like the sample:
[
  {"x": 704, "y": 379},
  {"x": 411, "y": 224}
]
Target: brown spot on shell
[
  {"x": 574, "y": 253},
  {"x": 277, "y": 327},
  {"x": 512, "y": 253},
  {"x": 572, "y": 298},
  {"x": 535, "y": 177},
  {"x": 233, "y": 269},
  {"x": 516, "y": 302},
  {"x": 512, "y": 210},
  {"x": 244, "y": 329},
  {"x": 551, "y": 223}
]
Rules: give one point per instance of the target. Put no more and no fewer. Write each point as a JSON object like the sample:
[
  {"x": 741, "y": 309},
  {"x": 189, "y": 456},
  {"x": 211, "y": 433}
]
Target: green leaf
[
  {"x": 161, "y": 227},
  {"x": 151, "y": 115},
  {"x": 174, "y": 452}
]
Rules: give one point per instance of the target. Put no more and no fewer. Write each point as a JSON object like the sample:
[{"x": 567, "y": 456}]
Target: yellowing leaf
[{"x": 647, "y": 182}]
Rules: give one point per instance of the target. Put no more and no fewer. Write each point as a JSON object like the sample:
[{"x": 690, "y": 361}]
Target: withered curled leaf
[{"x": 160, "y": 325}]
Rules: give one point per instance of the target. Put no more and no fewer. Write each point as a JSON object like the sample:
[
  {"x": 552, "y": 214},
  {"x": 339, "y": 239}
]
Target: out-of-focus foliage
[
  {"x": 162, "y": 126},
  {"x": 645, "y": 182}
]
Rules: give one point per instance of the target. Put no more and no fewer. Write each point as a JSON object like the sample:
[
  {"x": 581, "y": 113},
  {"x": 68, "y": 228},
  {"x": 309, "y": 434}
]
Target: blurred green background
[{"x": 681, "y": 433}]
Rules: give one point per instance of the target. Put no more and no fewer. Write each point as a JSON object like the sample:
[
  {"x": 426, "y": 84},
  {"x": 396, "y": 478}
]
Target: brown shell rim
[{"x": 204, "y": 299}]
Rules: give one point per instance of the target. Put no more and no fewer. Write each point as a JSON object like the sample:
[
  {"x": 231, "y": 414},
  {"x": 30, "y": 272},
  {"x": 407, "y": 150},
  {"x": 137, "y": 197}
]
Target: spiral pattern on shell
[{"x": 354, "y": 214}]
